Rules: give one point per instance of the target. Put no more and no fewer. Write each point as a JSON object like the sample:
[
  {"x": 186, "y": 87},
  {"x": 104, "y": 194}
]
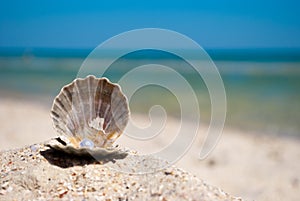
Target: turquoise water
[{"x": 262, "y": 95}]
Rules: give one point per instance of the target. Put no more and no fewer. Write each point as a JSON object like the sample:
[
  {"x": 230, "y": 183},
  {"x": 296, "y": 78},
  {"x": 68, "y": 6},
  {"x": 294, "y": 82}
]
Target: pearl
[{"x": 86, "y": 143}]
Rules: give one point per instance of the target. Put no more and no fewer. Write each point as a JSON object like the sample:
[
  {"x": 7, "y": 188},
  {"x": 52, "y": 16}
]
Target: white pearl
[{"x": 86, "y": 143}]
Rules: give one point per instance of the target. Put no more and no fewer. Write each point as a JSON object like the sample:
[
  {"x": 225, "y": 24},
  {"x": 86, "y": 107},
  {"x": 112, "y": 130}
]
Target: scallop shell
[{"x": 90, "y": 112}]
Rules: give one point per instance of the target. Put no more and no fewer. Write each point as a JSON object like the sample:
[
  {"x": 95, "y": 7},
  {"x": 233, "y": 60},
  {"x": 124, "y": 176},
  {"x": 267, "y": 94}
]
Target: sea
[{"x": 262, "y": 86}]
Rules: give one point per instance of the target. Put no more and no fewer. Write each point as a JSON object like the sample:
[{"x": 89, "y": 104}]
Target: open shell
[{"x": 90, "y": 112}]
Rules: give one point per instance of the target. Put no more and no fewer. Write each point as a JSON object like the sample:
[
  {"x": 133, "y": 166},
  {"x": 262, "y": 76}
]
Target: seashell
[{"x": 90, "y": 113}]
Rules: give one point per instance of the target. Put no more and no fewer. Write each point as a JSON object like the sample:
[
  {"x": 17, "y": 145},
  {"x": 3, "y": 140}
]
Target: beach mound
[{"x": 37, "y": 172}]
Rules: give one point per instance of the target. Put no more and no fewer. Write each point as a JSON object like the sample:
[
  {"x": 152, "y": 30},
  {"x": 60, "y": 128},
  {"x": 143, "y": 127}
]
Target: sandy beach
[{"x": 253, "y": 166}]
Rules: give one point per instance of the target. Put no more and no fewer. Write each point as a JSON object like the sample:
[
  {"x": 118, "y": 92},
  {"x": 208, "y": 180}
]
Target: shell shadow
[{"x": 66, "y": 160}]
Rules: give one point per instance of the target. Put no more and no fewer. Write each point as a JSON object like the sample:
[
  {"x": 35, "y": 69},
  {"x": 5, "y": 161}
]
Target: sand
[
  {"x": 253, "y": 166},
  {"x": 39, "y": 173}
]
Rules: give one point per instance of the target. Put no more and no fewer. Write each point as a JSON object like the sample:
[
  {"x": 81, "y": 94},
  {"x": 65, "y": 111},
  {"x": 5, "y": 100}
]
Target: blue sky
[{"x": 212, "y": 23}]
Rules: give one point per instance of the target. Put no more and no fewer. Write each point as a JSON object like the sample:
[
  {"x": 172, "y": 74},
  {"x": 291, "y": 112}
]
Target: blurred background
[{"x": 254, "y": 44}]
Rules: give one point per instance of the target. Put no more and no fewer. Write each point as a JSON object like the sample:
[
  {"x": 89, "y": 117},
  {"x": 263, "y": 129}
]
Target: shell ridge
[
  {"x": 68, "y": 94},
  {"x": 106, "y": 112},
  {"x": 73, "y": 114},
  {"x": 60, "y": 104},
  {"x": 69, "y": 97},
  {"x": 122, "y": 117},
  {"x": 54, "y": 114},
  {"x": 60, "y": 108},
  {"x": 117, "y": 116},
  {"x": 100, "y": 101},
  {"x": 70, "y": 125},
  {"x": 91, "y": 95},
  {"x": 108, "y": 124},
  {"x": 81, "y": 109}
]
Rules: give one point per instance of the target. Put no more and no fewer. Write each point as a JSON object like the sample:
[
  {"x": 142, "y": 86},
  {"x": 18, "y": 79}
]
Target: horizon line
[{"x": 260, "y": 54}]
